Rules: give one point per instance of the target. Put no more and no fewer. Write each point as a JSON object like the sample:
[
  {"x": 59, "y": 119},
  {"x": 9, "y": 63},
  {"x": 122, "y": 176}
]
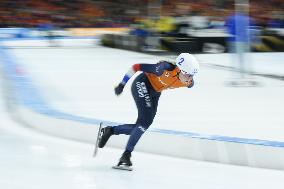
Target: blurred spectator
[
  {"x": 198, "y": 21},
  {"x": 165, "y": 24},
  {"x": 276, "y": 20},
  {"x": 238, "y": 25},
  {"x": 47, "y": 30}
]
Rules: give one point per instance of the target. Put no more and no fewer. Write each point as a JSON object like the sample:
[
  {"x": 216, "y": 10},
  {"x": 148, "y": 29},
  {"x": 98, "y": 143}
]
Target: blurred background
[
  {"x": 178, "y": 24},
  {"x": 59, "y": 63}
]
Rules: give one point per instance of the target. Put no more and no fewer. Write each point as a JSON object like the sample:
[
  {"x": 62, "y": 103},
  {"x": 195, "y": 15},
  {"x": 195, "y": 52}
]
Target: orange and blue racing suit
[{"x": 146, "y": 90}]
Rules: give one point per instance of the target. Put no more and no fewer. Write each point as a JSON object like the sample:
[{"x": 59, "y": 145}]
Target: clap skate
[
  {"x": 106, "y": 132},
  {"x": 99, "y": 135},
  {"x": 102, "y": 137},
  {"x": 124, "y": 162}
]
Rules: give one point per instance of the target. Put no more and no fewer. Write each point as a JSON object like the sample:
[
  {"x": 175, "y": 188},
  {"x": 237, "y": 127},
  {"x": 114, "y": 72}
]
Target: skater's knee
[
  {"x": 145, "y": 122},
  {"x": 142, "y": 128}
]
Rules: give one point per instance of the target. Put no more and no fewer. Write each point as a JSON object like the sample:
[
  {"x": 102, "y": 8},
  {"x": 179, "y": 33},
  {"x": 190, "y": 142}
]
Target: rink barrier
[{"x": 28, "y": 107}]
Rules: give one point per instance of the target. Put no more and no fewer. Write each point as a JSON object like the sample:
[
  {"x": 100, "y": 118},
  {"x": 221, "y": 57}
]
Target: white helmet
[{"x": 187, "y": 63}]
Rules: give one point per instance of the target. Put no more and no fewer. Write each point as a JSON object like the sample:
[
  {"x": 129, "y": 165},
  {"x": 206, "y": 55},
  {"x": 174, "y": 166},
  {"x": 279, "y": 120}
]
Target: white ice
[
  {"x": 33, "y": 160},
  {"x": 82, "y": 82}
]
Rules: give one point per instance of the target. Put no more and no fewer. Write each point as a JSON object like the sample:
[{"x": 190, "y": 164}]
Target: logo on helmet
[{"x": 181, "y": 61}]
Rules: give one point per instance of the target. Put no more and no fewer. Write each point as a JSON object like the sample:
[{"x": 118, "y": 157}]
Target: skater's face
[{"x": 185, "y": 78}]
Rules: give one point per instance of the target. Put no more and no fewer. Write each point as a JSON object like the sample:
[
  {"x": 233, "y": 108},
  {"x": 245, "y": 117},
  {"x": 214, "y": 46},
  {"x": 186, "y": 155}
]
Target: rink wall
[{"x": 27, "y": 106}]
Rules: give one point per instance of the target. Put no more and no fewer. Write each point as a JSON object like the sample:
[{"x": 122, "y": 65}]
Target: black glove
[{"x": 118, "y": 89}]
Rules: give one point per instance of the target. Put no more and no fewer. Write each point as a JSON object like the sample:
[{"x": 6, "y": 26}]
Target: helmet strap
[
  {"x": 177, "y": 75},
  {"x": 178, "y": 71}
]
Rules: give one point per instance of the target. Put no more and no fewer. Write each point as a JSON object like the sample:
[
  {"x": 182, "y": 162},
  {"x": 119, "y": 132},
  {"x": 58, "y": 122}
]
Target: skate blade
[
  {"x": 97, "y": 141},
  {"x": 122, "y": 167}
]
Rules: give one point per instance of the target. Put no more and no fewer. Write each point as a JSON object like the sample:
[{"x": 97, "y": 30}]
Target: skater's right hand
[{"x": 118, "y": 89}]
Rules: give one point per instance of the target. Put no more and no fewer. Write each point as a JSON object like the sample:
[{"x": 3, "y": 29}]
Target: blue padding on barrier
[
  {"x": 26, "y": 94},
  {"x": 46, "y": 38},
  {"x": 15, "y": 32},
  {"x": 221, "y": 138}
]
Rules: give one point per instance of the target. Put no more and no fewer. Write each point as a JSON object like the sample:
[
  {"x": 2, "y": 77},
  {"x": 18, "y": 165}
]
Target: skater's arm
[
  {"x": 158, "y": 68},
  {"x": 119, "y": 88},
  {"x": 149, "y": 68},
  {"x": 132, "y": 70}
]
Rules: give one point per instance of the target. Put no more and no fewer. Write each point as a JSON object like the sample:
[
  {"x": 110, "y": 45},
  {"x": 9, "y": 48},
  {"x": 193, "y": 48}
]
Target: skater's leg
[
  {"x": 141, "y": 101},
  {"x": 146, "y": 101},
  {"x": 123, "y": 129},
  {"x": 115, "y": 130},
  {"x": 145, "y": 119},
  {"x": 147, "y": 108},
  {"x": 134, "y": 137}
]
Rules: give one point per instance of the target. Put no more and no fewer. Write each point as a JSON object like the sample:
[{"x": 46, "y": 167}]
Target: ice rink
[{"x": 80, "y": 81}]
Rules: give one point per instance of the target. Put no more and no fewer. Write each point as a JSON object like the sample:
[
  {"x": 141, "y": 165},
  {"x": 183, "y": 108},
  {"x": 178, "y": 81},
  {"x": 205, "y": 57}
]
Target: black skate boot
[
  {"x": 124, "y": 162},
  {"x": 106, "y": 133},
  {"x": 125, "y": 159}
]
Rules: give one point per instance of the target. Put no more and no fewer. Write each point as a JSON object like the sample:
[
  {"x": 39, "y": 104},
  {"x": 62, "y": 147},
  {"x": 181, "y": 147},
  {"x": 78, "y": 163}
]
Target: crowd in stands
[
  {"x": 60, "y": 13},
  {"x": 263, "y": 12},
  {"x": 120, "y": 13}
]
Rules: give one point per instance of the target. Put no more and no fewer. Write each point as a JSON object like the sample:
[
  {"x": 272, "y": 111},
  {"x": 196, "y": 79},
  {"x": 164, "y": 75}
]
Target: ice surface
[
  {"x": 81, "y": 81},
  {"x": 33, "y": 160}
]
